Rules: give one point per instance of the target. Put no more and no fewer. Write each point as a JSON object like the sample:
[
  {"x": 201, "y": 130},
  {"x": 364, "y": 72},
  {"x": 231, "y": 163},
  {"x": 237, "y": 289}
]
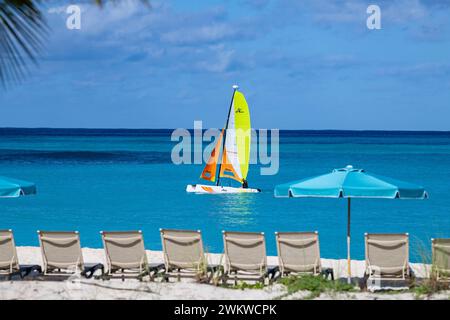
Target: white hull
[{"x": 204, "y": 188}]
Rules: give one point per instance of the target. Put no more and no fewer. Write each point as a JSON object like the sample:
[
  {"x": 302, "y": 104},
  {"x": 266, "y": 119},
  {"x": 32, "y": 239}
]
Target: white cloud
[
  {"x": 206, "y": 33},
  {"x": 208, "y": 39},
  {"x": 164, "y": 36},
  {"x": 219, "y": 62},
  {"x": 57, "y": 10},
  {"x": 422, "y": 71}
]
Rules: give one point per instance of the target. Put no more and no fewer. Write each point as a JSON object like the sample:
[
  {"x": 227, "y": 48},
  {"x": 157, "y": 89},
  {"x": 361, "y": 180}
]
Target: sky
[{"x": 302, "y": 64}]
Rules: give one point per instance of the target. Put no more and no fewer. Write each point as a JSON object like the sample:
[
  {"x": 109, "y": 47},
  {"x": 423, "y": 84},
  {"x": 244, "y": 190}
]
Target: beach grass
[
  {"x": 242, "y": 285},
  {"x": 316, "y": 285},
  {"x": 429, "y": 287}
]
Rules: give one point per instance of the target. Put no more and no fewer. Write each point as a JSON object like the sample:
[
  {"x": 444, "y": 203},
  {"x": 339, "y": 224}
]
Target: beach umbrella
[
  {"x": 350, "y": 183},
  {"x": 12, "y": 188}
]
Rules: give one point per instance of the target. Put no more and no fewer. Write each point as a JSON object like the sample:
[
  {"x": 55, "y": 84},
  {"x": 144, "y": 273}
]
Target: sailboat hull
[{"x": 209, "y": 189}]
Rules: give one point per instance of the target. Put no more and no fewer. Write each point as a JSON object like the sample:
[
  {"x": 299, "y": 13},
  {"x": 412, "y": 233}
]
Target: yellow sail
[{"x": 236, "y": 155}]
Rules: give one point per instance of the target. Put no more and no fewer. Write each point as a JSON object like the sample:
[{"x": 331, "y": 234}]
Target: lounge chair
[
  {"x": 126, "y": 256},
  {"x": 184, "y": 255},
  {"x": 387, "y": 256},
  {"x": 441, "y": 259},
  {"x": 62, "y": 255},
  {"x": 9, "y": 263},
  {"x": 245, "y": 257},
  {"x": 299, "y": 253}
]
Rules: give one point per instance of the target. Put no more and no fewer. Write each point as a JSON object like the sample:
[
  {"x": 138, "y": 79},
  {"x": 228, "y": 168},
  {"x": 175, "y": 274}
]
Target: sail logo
[
  {"x": 239, "y": 110},
  {"x": 262, "y": 146}
]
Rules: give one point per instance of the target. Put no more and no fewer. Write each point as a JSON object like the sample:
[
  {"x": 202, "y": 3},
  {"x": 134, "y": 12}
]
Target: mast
[{"x": 235, "y": 87}]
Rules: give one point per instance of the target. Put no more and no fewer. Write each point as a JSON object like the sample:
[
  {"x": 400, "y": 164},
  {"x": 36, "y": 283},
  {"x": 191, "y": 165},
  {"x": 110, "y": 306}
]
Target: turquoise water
[{"x": 92, "y": 180}]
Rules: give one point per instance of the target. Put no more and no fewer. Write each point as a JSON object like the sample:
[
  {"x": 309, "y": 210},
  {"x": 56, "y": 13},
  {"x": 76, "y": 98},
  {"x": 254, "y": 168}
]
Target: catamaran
[{"x": 233, "y": 144}]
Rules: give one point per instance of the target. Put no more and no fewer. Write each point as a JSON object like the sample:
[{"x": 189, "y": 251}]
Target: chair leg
[
  {"x": 363, "y": 282},
  {"x": 166, "y": 277},
  {"x": 224, "y": 278},
  {"x": 328, "y": 273}
]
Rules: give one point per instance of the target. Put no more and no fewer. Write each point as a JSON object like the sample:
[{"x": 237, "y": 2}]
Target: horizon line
[{"x": 136, "y": 129}]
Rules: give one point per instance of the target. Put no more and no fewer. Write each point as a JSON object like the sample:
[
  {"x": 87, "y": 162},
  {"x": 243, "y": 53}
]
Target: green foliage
[
  {"x": 429, "y": 287},
  {"x": 244, "y": 285},
  {"x": 314, "y": 284}
]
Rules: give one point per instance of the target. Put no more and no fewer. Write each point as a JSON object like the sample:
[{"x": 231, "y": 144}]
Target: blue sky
[{"x": 310, "y": 64}]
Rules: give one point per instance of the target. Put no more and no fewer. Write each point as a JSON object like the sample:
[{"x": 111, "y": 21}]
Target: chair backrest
[
  {"x": 298, "y": 251},
  {"x": 245, "y": 251},
  {"x": 124, "y": 249},
  {"x": 8, "y": 252},
  {"x": 182, "y": 248},
  {"x": 60, "y": 249},
  {"x": 389, "y": 252},
  {"x": 441, "y": 254}
]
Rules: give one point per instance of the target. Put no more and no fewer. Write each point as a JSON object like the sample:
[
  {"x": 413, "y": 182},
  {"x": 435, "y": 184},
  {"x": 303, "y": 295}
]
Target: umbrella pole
[{"x": 349, "y": 263}]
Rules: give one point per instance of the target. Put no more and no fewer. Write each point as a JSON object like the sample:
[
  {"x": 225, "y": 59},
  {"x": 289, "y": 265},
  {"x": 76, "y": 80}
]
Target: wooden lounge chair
[
  {"x": 299, "y": 253},
  {"x": 62, "y": 255},
  {"x": 184, "y": 254},
  {"x": 441, "y": 259},
  {"x": 245, "y": 257},
  {"x": 126, "y": 256},
  {"x": 9, "y": 263},
  {"x": 387, "y": 256}
]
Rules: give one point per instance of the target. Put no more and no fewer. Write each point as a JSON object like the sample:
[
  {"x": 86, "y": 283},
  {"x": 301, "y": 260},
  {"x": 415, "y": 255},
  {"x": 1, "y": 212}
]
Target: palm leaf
[{"x": 22, "y": 32}]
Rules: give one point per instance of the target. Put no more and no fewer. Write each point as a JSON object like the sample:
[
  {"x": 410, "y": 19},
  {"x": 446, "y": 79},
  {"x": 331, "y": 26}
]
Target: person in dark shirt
[{"x": 244, "y": 184}]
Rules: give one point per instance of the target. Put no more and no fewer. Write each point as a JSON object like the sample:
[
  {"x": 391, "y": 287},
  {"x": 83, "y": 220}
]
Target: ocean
[{"x": 94, "y": 179}]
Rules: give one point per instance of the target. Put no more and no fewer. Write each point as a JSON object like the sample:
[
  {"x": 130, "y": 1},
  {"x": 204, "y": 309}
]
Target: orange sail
[{"x": 209, "y": 173}]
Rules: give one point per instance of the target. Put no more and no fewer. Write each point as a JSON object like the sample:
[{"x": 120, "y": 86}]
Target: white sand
[{"x": 80, "y": 288}]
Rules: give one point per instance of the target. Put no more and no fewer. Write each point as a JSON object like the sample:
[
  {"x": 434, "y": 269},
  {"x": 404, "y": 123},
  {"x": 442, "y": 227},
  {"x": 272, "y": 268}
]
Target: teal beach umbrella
[
  {"x": 350, "y": 183},
  {"x": 12, "y": 188}
]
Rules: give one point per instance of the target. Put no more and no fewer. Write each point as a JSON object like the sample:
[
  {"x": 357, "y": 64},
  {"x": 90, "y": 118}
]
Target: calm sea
[{"x": 92, "y": 180}]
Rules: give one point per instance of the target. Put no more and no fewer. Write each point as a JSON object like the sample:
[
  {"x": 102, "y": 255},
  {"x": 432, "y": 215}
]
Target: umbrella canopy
[
  {"x": 11, "y": 188},
  {"x": 350, "y": 183}
]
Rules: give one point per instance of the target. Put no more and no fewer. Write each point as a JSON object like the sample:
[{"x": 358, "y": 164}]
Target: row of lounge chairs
[{"x": 387, "y": 256}]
